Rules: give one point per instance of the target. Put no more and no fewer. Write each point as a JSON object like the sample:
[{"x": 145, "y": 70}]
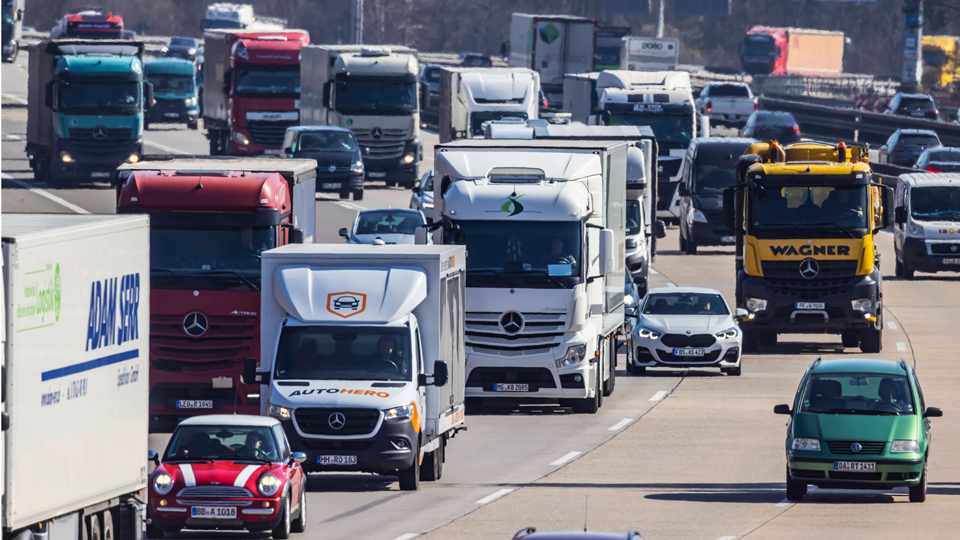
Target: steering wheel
[
  {"x": 383, "y": 365},
  {"x": 888, "y": 407}
]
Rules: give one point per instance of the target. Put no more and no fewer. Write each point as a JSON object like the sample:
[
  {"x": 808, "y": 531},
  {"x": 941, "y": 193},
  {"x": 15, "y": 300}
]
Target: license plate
[
  {"x": 810, "y": 305},
  {"x": 855, "y": 466},
  {"x": 511, "y": 387},
  {"x": 171, "y": 115},
  {"x": 214, "y": 512},
  {"x": 271, "y": 152},
  {"x": 337, "y": 460},
  {"x": 951, "y": 261},
  {"x": 377, "y": 174},
  {"x": 99, "y": 174},
  {"x": 689, "y": 352},
  {"x": 330, "y": 186},
  {"x": 728, "y": 239},
  {"x": 195, "y": 404}
]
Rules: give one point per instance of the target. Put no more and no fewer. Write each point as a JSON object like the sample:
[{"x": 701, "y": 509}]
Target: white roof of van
[
  {"x": 921, "y": 180},
  {"x": 631, "y": 80}
]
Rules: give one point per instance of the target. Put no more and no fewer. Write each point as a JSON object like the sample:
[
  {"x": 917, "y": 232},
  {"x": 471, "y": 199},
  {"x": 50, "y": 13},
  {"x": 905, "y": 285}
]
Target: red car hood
[{"x": 222, "y": 473}]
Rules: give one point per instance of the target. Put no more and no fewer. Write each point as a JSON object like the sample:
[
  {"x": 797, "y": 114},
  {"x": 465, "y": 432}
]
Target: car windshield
[
  {"x": 729, "y": 90},
  {"x": 775, "y": 119},
  {"x": 169, "y": 83},
  {"x": 345, "y": 353},
  {"x": 685, "y": 303},
  {"x": 916, "y": 104},
  {"x": 944, "y": 156},
  {"x": 476, "y": 61},
  {"x": 674, "y": 130},
  {"x": 376, "y": 95},
  {"x": 180, "y": 255},
  {"x": 634, "y": 221},
  {"x": 388, "y": 222},
  {"x": 77, "y": 96},
  {"x": 183, "y": 42},
  {"x": 857, "y": 393},
  {"x": 478, "y": 118},
  {"x": 270, "y": 81},
  {"x": 432, "y": 75},
  {"x": 918, "y": 140},
  {"x": 327, "y": 141},
  {"x": 935, "y": 203},
  {"x": 714, "y": 169},
  {"x": 834, "y": 210},
  {"x": 527, "y": 254},
  {"x": 230, "y": 443}
]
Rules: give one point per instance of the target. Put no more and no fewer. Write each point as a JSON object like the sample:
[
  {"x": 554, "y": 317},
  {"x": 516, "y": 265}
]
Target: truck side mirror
[
  {"x": 659, "y": 229},
  {"x": 684, "y": 190},
  {"x": 48, "y": 97},
  {"x": 4, "y": 421},
  {"x": 250, "y": 374},
  {"x": 148, "y": 100},
  {"x": 440, "y": 373},
  {"x": 900, "y": 215},
  {"x": 781, "y": 409},
  {"x": 326, "y": 94},
  {"x": 296, "y": 236},
  {"x": 729, "y": 215},
  {"x": 288, "y": 150},
  {"x": 154, "y": 457},
  {"x": 889, "y": 211},
  {"x": 607, "y": 248}
]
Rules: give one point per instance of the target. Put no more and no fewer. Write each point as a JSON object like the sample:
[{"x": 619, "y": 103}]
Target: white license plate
[
  {"x": 99, "y": 174},
  {"x": 330, "y": 186},
  {"x": 855, "y": 466},
  {"x": 689, "y": 352},
  {"x": 951, "y": 261},
  {"x": 171, "y": 115},
  {"x": 214, "y": 512},
  {"x": 810, "y": 305},
  {"x": 195, "y": 404},
  {"x": 728, "y": 239},
  {"x": 511, "y": 387},
  {"x": 271, "y": 152},
  {"x": 377, "y": 174},
  {"x": 337, "y": 460}
]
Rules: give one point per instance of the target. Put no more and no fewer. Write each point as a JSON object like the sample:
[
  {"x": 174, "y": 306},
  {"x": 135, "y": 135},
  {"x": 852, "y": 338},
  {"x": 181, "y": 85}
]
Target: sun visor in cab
[{"x": 349, "y": 294}]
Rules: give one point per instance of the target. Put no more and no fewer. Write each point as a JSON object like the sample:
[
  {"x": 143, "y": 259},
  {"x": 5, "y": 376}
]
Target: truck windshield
[
  {"x": 935, "y": 203},
  {"x": 674, "y": 131},
  {"x": 758, "y": 46},
  {"x": 171, "y": 83},
  {"x": 234, "y": 443},
  {"x": 99, "y": 98},
  {"x": 804, "y": 211},
  {"x": 219, "y": 258},
  {"x": 376, "y": 95},
  {"x": 478, "y": 118},
  {"x": 525, "y": 254},
  {"x": 268, "y": 81},
  {"x": 356, "y": 353},
  {"x": 634, "y": 221},
  {"x": 857, "y": 393}
]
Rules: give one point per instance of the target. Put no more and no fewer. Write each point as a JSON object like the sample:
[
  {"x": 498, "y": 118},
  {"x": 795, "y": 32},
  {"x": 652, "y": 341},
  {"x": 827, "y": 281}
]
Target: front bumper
[
  {"x": 653, "y": 353},
  {"x": 890, "y": 472},
  {"x": 539, "y": 372},
  {"x": 709, "y": 234},
  {"x": 91, "y": 159},
  {"x": 917, "y": 254},
  {"x": 376, "y": 453},
  {"x": 172, "y": 113},
  {"x": 339, "y": 182},
  {"x": 253, "y": 514}
]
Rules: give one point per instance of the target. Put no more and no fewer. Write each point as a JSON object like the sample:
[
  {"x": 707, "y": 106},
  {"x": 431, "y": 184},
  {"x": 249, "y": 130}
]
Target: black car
[
  {"x": 939, "y": 160},
  {"x": 709, "y": 167},
  {"x": 905, "y": 146},
  {"x": 772, "y": 125},
  {"x": 913, "y": 105},
  {"x": 182, "y": 47},
  {"x": 339, "y": 163}
]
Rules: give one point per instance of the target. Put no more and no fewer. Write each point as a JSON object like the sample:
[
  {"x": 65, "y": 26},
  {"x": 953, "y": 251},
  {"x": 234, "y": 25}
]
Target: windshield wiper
[
  {"x": 556, "y": 281},
  {"x": 857, "y": 411},
  {"x": 251, "y": 284},
  {"x": 175, "y": 275},
  {"x": 837, "y": 226}
]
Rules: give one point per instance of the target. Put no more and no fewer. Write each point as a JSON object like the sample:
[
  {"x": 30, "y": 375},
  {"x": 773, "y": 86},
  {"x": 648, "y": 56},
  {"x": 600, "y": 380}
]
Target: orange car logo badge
[{"x": 346, "y": 304}]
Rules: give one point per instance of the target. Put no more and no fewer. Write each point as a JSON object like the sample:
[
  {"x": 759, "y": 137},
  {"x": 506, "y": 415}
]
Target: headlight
[
  {"x": 428, "y": 205},
  {"x": 862, "y": 304},
  {"x": 729, "y": 333},
  {"x": 812, "y": 445},
  {"x": 278, "y": 412},
  {"x": 191, "y": 50},
  {"x": 162, "y": 483},
  {"x": 190, "y": 101},
  {"x": 65, "y": 157},
  {"x": 756, "y": 304},
  {"x": 133, "y": 158},
  {"x": 357, "y": 167},
  {"x": 914, "y": 230},
  {"x": 268, "y": 485},
  {"x": 408, "y": 159},
  {"x": 163, "y": 50},
  {"x": 240, "y": 138},
  {"x": 628, "y": 300},
  {"x": 698, "y": 216},
  {"x": 399, "y": 413},
  {"x": 648, "y": 334},
  {"x": 575, "y": 354},
  {"x": 904, "y": 447}
]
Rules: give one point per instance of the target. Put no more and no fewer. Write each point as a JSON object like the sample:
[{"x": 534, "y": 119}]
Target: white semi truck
[
  {"x": 649, "y": 54},
  {"x": 230, "y": 16},
  {"x": 471, "y": 96},
  {"x": 362, "y": 355},
  {"x": 552, "y": 45},
  {"x": 76, "y": 317},
  {"x": 373, "y": 91},
  {"x": 543, "y": 222}
]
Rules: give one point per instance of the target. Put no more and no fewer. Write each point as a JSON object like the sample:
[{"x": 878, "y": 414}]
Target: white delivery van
[
  {"x": 471, "y": 96},
  {"x": 76, "y": 292},
  {"x": 362, "y": 357},
  {"x": 925, "y": 234}
]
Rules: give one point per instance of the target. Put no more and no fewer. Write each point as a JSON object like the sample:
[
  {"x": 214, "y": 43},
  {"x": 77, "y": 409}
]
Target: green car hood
[{"x": 855, "y": 427}]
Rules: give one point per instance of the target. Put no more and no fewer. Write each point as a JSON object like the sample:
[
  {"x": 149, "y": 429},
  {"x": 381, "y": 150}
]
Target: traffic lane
[{"x": 710, "y": 461}]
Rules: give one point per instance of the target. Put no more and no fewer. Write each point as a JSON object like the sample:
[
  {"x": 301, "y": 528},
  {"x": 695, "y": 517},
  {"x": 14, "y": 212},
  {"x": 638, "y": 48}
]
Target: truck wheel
[
  {"x": 282, "y": 532},
  {"x": 589, "y": 405},
  {"x": 432, "y": 468},
  {"x": 683, "y": 242},
  {"x": 871, "y": 339},
  {"x": 898, "y": 268},
  {"x": 214, "y": 144},
  {"x": 390, "y": 183},
  {"x": 358, "y": 195},
  {"x": 94, "y": 530},
  {"x": 918, "y": 493},
  {"x": 850, "y": 338},
  {"x": 795, "y": 490},
  {"x": 751, "y": 341},
  {"x": 344, "y": 195},
  {"x": 410, "y": 477},
  {"x": 108, "y": 532},
  {"x": 193, "y": 125},
  {"x": 300, "y": 524},
  {"x": 154, "y": 532}
]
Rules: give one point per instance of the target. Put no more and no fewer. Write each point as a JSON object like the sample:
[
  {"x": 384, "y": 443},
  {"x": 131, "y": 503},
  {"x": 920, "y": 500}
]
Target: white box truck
[
  {"x": 649, "y": 54},
  {"x": 362, "y": 356},
  {"x": 75, "y": 352},
  {"x": 552, "y": 45},
  {"x": 543, "y": 222},
  {"x": 471, "y": 96}
]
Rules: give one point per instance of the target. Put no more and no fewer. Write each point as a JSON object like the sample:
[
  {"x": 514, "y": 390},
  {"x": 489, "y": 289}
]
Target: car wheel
[
  {"x": 344, "y": 195},
  {"x": 432, "y": 468},
  {"x": 282, "y": 532},
  {"x": 918, "y": 493},
  {"x": 871, "y": 339},
  {"x": 907, "y": 271},
  {"x": 850, "y": 338},
  {"x": 589, "y": 405},
  {"x": 300, "y": 524},
  {"x": 732, "y": 371},
  {"x": 410, "y": 477},
  {"x": 154, "y": 532},
  {"x": 795, "y": 490}
]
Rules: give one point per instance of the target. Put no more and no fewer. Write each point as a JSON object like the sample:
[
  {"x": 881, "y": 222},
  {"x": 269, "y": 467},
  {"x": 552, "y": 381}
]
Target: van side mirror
[
  {"x": 729, "y": 214},
  {"x": 900, "y": 215},
  {"x": 684, "y": 190},
  {"x": 781, "y": 409},
  {"x": 886, "y": 195},
  {"x": 659, "y": 229},
  {"x": 932, "y": 412},
  {"x": 630, "y": 311},
  {"x": 441, "y": 375},
  {"x": 48, "y": 100},
  {"x": 296, "y": 236},
  {"x": 154, "y": 457},
  {"x": 148, "y": 99},
  {"x": 250, "y": 374}
]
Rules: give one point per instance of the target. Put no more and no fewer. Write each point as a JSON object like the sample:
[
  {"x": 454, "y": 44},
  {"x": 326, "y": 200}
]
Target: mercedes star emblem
[
  {"x": 377, "y": 133},
  {"x": 99, "y": 133},
  {"x": 856, "y": 447},
  {"x": 195, "y": 324},
  {"x": 809, "y": 268},
  {"x": 336, "y": 420},
  {"x": 511, "y": 322},
  {"x": 332, "y": 168}
]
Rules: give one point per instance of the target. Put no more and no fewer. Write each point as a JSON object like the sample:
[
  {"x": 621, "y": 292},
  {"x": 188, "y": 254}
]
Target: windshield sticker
[
  {"x": 357, "y": 392},
  {"x": 346, "y": 304}
]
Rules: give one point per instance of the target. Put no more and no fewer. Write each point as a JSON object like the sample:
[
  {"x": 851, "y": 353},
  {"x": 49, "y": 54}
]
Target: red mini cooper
[{"x": 228, "y": 472}]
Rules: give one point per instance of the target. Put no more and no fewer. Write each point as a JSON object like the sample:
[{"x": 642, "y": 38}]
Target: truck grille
[
  {"x": 540, "y": 333},
  {"x": 784, "y": 279},
  {"x": 680, "y": 340},
  {"x": 227, "y": 341},
  {"x": 390, "y": 144},
  {"x": 668, "y": 356},
  {"x": 268, "y": 133},
  {"x": 945, "y": 248},
  {"x": 842, "y": 448},
  {"x": 112, "y": 134},
  {"x": 316, "y": 421}
]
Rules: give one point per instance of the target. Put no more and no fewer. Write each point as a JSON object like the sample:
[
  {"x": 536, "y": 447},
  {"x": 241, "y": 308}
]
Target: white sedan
[{"x": 684, "y": 327}]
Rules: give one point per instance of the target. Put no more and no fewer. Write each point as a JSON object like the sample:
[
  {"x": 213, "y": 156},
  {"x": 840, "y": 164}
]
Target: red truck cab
[
  {"x": 764, "y": 51},
  {"x": 88, "y": 24},
  {"x": 210, "y": 219},
  {"x": 251, "y": 89}
]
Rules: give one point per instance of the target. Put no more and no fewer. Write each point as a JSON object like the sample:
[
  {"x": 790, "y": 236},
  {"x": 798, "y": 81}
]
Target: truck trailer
[
  {"x": 552, "y": 45},
  {"x": 792, "y": 51},
  {"x": 649, "y": 54},
  {"x": 471, "y": 96},
  {"x": 75, "y": 337}
]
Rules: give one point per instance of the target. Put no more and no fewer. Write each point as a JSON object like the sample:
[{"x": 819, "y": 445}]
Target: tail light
[
  {"x": 709, "y": 106},
  {"x": 545, "y": 103},
  {"x": 931, "y": 169},
  {"x": 756, "y": 106},
  {"x": 934, "y": 113},
  {"x": 796, "y": 130},
  {"x": 896, "y": 149}
]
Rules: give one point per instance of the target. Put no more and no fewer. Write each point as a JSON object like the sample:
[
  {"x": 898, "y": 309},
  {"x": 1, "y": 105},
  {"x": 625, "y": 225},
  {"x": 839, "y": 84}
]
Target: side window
[
  {"x": 419, "y": 352},
  {"x": 923, "y": 406},
  {"x": 282, "y": 441},
  {"x": 288, "y": 138},
  {"x": 800, "y": 389},
  {"x": 706, "y": 91}
]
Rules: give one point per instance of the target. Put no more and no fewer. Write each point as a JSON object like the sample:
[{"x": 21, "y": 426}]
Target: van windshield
[
  {"x": 634, "y": 220},
  {"x": 935, "y": 203},
  {"x": 715, "y": 168},
  {"x": 356, "y": 353}
]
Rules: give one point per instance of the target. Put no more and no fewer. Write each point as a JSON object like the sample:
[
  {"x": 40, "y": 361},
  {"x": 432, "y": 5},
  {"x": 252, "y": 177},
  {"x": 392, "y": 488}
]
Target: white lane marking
[
  {"x": 18, "y": 99},
  {"x": 43, "y": 193},
  {"x": 494, "y": 496},
  {"x": 245, "y": 475},
  {"x": 901, "y": 346},
  {"x": 407, "y": 536},
  {"x": 785, "y": 502},
  {"x": 654, "y": 271},
  {"x": 565, "y": 458},
  {"x": 188, "y": 479},
  {"x": 727, "y": 538},
  {"x": 620, "y": 424},
  {"x": 659, "y": 395},
  {"x": 167, "y": 148},
  {"x": 671, "y": 284},
  {"x": 892, "y": 325},
  {"x": 348, "y": 206}
]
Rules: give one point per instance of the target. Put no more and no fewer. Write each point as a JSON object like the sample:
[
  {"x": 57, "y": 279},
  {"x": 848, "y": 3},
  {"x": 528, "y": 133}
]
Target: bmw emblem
[
  {"x": 856, "y": 447},
  {"x": 332, "y": 168}
]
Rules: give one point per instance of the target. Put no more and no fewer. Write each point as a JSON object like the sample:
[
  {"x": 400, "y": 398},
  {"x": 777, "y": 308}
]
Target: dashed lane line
[
  {"x": 901, "y": 346},
  {"x": 565, "y": 458},
  {"x": 44, "y": 193},
  {"x": 659, "y": 395},
  {"x": 727, "y": 538},
  {"x": 620, "y": 425},
  {"x": 892, "y": 325},
  {"x": 18, "y": 99},
  {"x": 494, "y": 496},
  {"x": 408, "y": 536},
  {"x": 170, "y": 149}
]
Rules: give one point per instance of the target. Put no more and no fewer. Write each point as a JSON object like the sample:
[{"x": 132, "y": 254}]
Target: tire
[
  {"x": 300, "y": 524},
  {"x": 358, "y": 195},
  {"x": 344, "y": 195},
  {"x": 95, "y": 532},
  {"x": 589, "y": 405},
  {"x": 193, "y": 125},
  {"x": 683, "y": 242},
  {"x": 410, "y": 477},
  {"x": 751, "y": 340},
  {"x": 850, "y": 338},
  {"x": 41, "y": 169},
  {"x": 639, "y": 371},
  {"x": 767, "y": 338},
  {"x": 731, "y": 371},
  {"x": 795, "y": 490},
  {"x": 390, "y": 183},
  {"x": 918, "y": 493},
  {"x": 871, "y": 339},
  {"x": 109, "y": 533},
  {"x": 689, "y": 247},
  {"x": 907, "y": 271},
  {"x": 146, "y": 125},
  {"x": 898, "y": 268},
  {"x": 214, "y": 144},
  {"x": 432, "y": 468},
  {"x": 154, "y": 532},
  {"x": 282, "y": 532}
]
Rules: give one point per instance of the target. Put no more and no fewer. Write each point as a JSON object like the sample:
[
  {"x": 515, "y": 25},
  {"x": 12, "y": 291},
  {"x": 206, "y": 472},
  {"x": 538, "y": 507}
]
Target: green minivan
[{"x": 858, "y": 424}]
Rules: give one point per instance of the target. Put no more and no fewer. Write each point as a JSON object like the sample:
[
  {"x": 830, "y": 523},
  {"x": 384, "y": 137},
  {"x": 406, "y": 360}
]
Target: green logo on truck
[
  {"x": 41, "y": 298},
  {"x": 512, "y": 206},
  {"x": 549, "y": 33}
]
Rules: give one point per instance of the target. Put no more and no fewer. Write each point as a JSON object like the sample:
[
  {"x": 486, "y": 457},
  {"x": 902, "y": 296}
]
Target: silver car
[
  {"x": 422, "y": 198},
  {"x": 384, "y": 226}
]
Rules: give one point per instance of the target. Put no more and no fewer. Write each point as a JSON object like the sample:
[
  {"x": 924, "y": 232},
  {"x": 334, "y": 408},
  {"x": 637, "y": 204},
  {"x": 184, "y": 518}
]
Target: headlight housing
[
  {"x": 575, "y": 355},
  {"x": 268, "y": 485},
  {"x": 133, "y": 158},
  {"x": 428, "y": 205},
  {"x": 862, "y": 304},
  {"x": 729, "y": 333},
  {"x": 627, "y": 300},
  {"x": 65, "y": 157},
  {"x": 756, "y": 304},
  {"x": 190, "y": 101},
  {"x": 162, "y": 483},
  {"x": 810, "y": 445},
  {"x": 278, "y": 412},
  {"x": 407, "y": 159},
  {"x": 240, "y": 138},
  {"x": 698, "y": 216},
  {"x": 647, "y": 333},
  {"x": 914, "y": 230},
  {"x": 357, "y": 167},
  {"x": 905, "y": 447},
  {"x": 399, "y": 413}
]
